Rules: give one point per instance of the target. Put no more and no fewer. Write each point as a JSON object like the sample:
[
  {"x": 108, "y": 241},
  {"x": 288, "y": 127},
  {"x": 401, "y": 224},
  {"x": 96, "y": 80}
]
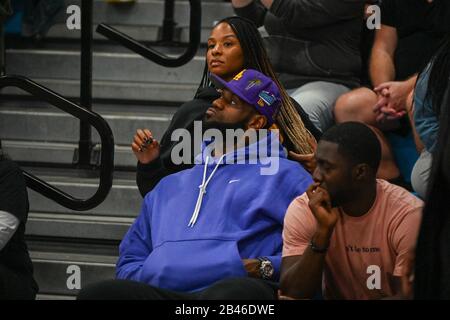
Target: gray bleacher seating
[{"x": 129, "y": 92}]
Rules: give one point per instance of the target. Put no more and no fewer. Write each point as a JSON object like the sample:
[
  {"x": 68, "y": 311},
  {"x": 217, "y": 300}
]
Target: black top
[
  {"x": 420, "y": 26},
  {"x": 445, "y": 261},
  {"x": 148, "y": 175},
  {"x": 311, "y": 40},
  {"x": 411, "y": 16},
  {"x": 14, "y": 200}
]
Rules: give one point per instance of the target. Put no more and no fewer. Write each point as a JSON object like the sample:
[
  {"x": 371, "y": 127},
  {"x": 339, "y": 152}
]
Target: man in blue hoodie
[{"x": 214, "y": 231}]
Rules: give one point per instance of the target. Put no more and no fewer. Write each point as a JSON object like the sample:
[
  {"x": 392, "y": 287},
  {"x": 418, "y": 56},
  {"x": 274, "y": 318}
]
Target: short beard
[
  {"x": 223, "y": 126},
  {"x": 341, "y": 198}
]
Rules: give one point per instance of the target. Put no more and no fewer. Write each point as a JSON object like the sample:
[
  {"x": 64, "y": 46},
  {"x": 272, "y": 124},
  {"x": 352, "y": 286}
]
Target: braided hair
[{"x": 255, "y": 57}]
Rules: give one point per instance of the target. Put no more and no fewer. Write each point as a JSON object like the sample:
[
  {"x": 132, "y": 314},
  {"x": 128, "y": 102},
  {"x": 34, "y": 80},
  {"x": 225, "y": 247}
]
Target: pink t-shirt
[{"x": 365, "y": 252}]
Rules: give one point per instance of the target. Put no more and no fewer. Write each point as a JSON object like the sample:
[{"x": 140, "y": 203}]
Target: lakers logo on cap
[
  {"x": 253, "y": 83},
  {"x": 239, "y": 75}
]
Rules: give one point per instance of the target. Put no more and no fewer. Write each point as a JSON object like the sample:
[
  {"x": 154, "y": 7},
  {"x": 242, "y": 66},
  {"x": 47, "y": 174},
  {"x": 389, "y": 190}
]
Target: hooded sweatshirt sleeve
[
  {"x": 149, "y": 175},
  {"x": 136, "y": 246},
  {"x": 294, "y": 185}
]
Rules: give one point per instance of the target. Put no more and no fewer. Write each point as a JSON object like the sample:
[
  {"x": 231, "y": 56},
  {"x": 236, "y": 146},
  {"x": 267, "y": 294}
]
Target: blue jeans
[
  {"x": 317, "y": 99},
  {"x": 420, "y": 175}
]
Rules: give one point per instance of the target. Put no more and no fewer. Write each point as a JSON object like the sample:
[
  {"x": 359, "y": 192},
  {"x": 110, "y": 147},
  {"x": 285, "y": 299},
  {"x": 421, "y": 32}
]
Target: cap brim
[{"x": 218, "y": 82}]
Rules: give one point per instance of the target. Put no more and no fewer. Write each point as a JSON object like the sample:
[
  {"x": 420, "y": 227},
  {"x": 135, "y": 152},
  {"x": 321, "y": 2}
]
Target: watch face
[{"x": 266, "y": 269}]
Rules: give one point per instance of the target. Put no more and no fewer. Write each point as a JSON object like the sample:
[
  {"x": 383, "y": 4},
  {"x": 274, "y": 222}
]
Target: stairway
[{"x": 129, "y": 92}]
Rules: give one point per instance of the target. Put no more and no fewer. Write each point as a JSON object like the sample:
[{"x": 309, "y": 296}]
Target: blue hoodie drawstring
[{"x": 202, "y": 190}]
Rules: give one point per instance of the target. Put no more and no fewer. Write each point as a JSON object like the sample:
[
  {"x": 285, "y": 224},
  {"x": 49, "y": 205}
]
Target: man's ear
[
  {"x": 361, "y": 172},
  {"x": 257, "y": 121}
]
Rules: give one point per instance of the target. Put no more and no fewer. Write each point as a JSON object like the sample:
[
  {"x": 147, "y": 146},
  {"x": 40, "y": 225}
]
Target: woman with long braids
[{"x": 234, "y": 44}]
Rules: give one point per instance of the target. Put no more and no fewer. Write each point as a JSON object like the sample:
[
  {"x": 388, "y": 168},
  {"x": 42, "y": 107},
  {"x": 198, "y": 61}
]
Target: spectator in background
[
  {"x": 351, "y": 230},
  {"x": 315, "y": 47},
  {"x": 39, "y": 16},
  {"x": 428, "y": 99},
  {"x": 234, "y": 44},
  {"x": 432, "y": 267},
  {"x": 5, "y": 11},
  {"x": 189, "y": 241},
  {"x": 411, "y": 30},
  {"x": 16, "y": 269}
]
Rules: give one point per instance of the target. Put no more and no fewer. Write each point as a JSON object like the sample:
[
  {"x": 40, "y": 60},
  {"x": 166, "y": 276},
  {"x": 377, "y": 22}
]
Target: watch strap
[{"x": 316, "y": 248}]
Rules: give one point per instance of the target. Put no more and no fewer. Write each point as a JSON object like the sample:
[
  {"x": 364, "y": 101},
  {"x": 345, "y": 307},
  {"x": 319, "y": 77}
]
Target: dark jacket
[
  {"x": 5, "y": 9},
  {"x": 312, "y": 40},
  {"x": 17, "y": 282},
  {"x": 148, "y": 175}
]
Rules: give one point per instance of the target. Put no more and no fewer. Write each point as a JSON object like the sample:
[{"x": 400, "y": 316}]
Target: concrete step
[
  {"x": 53, "y": 64},
  {"x": 117, "y": 90},
  {"x": 36, "y": 121},
  {"x": 147, "y": 34},
  {"x": 77, "y": 226},
  {"x": 59, "y": 153},
  {"x": 16, "y": 43},
  {"x": 62, "y": 273},
  {"x": 143, "y": 19},
  {"x": 151, "y": 12},
  {"x": 124, "y": 199},
  {"x": 44, "y": 134}
]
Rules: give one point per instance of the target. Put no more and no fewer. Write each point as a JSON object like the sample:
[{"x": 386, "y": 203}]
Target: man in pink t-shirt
[{"x": 351, "y": 233}]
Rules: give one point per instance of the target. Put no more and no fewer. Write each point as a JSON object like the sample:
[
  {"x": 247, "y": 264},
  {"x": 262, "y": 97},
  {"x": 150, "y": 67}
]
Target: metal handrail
[
  {"x": 154, "y": 55},
  {"x": 2, "y": 49},
  {"x": 100, "y": 124},
  {"x": 85, "y": 143}
]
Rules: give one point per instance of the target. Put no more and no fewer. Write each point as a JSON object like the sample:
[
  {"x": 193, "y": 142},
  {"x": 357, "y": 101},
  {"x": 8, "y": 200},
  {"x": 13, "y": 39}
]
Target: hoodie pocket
[{"x": 192, "y": 265}]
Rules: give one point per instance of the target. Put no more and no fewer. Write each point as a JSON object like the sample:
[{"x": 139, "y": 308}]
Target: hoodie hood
[{"x": 207, "y": 93}]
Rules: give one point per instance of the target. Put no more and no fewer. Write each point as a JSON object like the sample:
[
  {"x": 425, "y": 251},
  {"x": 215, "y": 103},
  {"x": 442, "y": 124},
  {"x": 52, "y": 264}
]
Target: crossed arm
[{"x": 392, "y": 95}]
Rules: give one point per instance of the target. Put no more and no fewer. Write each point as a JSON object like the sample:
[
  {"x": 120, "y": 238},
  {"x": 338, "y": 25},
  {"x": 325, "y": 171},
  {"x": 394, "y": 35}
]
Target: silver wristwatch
[{"x": 265, "y": 268}]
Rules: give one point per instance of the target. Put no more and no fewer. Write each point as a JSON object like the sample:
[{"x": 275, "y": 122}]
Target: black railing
[
  {"x": 85, "y": 143},
  {"x": 87, "y": 116},
  {"x": 2, "y": 49},
  {"x": 152, "y": 54},
  {"x": 168, "y": 27}
]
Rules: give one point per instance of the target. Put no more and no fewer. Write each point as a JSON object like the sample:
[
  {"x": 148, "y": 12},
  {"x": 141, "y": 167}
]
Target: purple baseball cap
[{"x": 254, "y": 88}]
